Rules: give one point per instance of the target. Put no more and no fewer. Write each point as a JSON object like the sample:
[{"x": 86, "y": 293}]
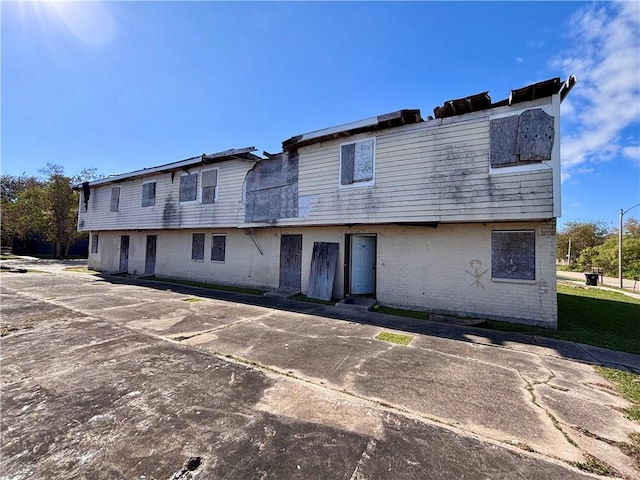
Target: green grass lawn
[{"x": 595, "y": 317}]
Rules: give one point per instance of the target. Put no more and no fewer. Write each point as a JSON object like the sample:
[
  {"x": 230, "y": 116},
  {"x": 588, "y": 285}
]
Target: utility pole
[{"x": 569, "y": 253}]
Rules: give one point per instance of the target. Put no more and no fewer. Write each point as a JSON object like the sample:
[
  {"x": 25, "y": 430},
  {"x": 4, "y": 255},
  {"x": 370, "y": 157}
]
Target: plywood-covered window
[
  {"x": 197, "y": 246},
  {"x": 188, "y": 187},
  {"x": 513, "y": 255},
  {"x": 521, "y": 139},
  {"x": 149, "y": 194},
  {"x": 209, "y": 185},
  {"x": 218, "y": 247},
  {"x": 115, "y": 199},
  {"x": 357, "y": 163},
  {"x": 94, "y": 243}
]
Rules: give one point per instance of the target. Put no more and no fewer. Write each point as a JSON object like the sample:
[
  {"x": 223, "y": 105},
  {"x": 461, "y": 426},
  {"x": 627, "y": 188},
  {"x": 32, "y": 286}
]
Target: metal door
[
  {"x": 363, "y": 264},
  {"x": 290, "y": 261},
  {"x": 124, "y": 253},
  {"x": 150, "y": 258}
]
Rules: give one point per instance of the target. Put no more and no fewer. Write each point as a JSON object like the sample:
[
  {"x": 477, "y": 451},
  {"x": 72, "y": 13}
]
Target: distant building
[{"x": 454, "y": 214}]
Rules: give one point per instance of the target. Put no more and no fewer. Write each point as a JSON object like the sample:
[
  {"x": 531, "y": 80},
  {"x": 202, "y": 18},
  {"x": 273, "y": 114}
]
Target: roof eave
[{"x": 204, "y": 159}]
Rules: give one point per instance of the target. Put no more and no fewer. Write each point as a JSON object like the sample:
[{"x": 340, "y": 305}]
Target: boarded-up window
[
  {"x": 521, "y": 139},
  {"x": 513, "y": 254},
  {"x": 189, "y": 187},
  {"x": 149, "y": 194},
  {"x": 94, "y": 243},
  {"x": 218, "y": 247},
  {"x": 197, "y": 246},
  {"x": 357, "y": 162},
  {"x": 209, "y": 185},
  {"x": 115, "y": 199}
]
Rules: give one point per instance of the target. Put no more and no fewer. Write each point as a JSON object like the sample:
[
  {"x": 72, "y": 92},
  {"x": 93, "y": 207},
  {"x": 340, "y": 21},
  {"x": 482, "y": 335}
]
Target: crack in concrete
[{"x": 366, "y": 455}]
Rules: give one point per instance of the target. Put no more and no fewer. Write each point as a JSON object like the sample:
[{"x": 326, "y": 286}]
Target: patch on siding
[
  {"x": 271, "y": 188},
  {"x": 525, "y": 138},
  {"x": 304, "y": 205}
]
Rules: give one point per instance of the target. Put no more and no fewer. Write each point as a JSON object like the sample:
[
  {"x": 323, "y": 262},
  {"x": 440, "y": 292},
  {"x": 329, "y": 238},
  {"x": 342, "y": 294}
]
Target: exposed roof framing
[
  {"x": 482, "y": 101},
  {"x": 204, "y": 159},
  {"x": 389, "y": 120}
]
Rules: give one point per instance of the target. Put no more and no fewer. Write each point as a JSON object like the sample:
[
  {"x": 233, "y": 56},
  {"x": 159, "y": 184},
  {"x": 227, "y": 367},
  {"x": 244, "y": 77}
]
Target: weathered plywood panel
[
  {"x": 324, "y": 262},
  {"x": 513, "y": 255},
  {"x": 291, "y": 261}
]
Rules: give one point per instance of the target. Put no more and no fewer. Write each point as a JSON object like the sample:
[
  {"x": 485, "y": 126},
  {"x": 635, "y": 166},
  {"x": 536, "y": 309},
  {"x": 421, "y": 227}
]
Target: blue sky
[{"x": 126, "y": 85}]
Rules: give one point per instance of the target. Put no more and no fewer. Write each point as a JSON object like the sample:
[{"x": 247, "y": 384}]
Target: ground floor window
[
  {"x": 197, "y": 246},
  {"x": 513, "y": 255},
  {"x": 94, "y": 243},
  {"x": 218, "y": 247}
]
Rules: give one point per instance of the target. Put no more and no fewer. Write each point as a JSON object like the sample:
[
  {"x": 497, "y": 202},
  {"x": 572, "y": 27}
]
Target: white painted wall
[{"x": 417, "y": 267}]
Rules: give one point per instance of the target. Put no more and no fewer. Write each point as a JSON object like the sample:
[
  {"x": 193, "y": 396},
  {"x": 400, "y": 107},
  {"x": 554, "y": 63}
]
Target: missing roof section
[
  {"x": 482, "y": 101},
  {"x": 381, "y": 122}
]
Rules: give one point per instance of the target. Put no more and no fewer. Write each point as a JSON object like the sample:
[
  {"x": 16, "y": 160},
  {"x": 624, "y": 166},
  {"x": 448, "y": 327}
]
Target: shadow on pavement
[{"x": 510, "y": 340}]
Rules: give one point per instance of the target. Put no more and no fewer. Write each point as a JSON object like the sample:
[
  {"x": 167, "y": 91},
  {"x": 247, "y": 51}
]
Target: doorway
[
  {"x": 291, "y": 261},
  {"x": 150, "y": 258},
  {"x": 124, "y": 253},
  {"x": 360, "y": 269}
]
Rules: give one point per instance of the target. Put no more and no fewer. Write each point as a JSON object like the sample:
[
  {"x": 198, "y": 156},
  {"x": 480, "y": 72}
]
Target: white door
[{"x": 363, "y": 265}]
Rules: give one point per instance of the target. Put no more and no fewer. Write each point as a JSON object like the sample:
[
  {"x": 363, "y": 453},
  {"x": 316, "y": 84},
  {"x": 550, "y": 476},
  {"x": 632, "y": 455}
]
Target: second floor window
[
  {"x": 209, "y": 185},
  {"x": 357, "y": 161},
  {"x": 189, "y": 187},
  {"x": 115, "y": 199},
  {"x": 149, "y": 194}
]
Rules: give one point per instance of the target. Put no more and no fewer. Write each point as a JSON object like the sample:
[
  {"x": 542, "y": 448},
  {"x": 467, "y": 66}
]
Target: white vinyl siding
[
  {"x": 434, "y": 171},
  {"x": 168, "y": 212}
]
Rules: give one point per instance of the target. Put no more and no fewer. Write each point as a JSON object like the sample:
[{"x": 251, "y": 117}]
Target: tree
[
  {"x": 43, "y": 207},
  {"x": 605, "y": 256},
  {"x": 583, "y": 235}
]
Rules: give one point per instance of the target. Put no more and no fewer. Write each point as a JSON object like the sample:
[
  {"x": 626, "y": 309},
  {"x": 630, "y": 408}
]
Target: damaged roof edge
[
  {"x": 482, "y": 101},
  {"x": 388, "y": 120},
  {"x": 204, "y": 159}
]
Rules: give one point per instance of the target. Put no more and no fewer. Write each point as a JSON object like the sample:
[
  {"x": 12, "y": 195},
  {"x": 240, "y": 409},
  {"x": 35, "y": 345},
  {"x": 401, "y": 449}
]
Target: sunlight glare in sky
[{"x": 90, "y": 22}]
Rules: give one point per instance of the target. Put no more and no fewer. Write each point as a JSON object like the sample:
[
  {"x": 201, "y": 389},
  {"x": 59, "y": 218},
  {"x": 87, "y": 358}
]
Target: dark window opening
[
  {"x": 115, "y": 199},
  {"x": 218, "y": 247},
  {"x": 197, "y": 246},
  {"x": 149, "y": 194},
  {"x": 189, "y": 187}
]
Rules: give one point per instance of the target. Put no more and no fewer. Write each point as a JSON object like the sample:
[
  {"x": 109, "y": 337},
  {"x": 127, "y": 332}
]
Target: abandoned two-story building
[{"x": 452, "y": 214}]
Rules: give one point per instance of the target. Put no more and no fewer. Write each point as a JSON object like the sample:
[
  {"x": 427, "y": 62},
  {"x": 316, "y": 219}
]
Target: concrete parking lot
[{"x": 107, "y": 377}]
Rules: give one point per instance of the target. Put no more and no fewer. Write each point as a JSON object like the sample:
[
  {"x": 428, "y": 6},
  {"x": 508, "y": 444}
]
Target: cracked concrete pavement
[{"x": 117, "y": 378}]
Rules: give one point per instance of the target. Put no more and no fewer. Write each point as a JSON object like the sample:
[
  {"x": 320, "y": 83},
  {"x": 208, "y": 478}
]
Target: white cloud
[
  {"x": 632, "y": 152},
  {"x": 519, "y": 60},
  {"x": 606, "y": 99}
]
